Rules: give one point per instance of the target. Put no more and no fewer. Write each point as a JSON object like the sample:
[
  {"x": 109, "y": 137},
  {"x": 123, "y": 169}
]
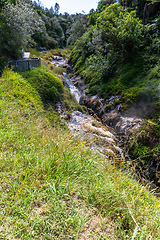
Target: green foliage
[
  {"x": 92, "y": 17},
  {"x": 79, "y": 65},
  {"x": 141, "y": 151},
  {"x": 152, "y": 127},
  {"x": 96, "y": 89},
  {"x": 18, "y": 90},
  {"x": 145, "y": 148},
  {"x": 77, "y": 29},
  {"x": 82, "y": 48},
  {"x": 21, "y": 22},
  {"x": 102, "y": 4},
  {"x": 52, "y": 115},
  {"x": 48, "y": 86},
  {"x": 54, "y": 30},
  {"x": 10, "y": 48},
  {"x": 3, "y": 2},
  {"x": 51, "y": 182},
  {"x": 94, "y": 67},
  {"x": 57, "y": 70},
  {"x": 150, "y": 90},
  {"x": 48, "y": 55},
  {"x": 107, "y": 107},
  {"x": 122, "y": 29},
  {"x": 35, "y": 53},
  {"x": 99, "y": 68},
  {"x": 56, "y": 8},
  {"x": 114, "y": 40}
]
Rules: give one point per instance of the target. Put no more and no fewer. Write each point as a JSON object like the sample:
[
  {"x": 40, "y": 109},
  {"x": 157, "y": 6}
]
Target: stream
[
  {"x": 89, "y": 127},
  {"x": 102, "y": 138},
  {"x": 107, "y": 131}
]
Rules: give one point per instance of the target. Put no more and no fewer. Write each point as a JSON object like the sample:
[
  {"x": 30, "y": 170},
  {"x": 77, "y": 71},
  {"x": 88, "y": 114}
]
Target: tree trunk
[{"x": 145, "y": 13}]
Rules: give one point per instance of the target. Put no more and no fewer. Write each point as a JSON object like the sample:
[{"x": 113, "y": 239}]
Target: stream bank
[
  {"x": 112, "y": 117},
  {"x": 109, "y": 129}
]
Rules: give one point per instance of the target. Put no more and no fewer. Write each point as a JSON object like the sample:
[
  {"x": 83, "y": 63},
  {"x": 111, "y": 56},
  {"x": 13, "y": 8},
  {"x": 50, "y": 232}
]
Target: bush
[
  {"x": 18, "y": 90},
  {"x": 48, "y": 86}
]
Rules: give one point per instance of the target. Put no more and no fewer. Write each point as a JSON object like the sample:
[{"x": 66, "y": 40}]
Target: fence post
[
  {"x": 28, "y": 65},
  {"x": 16, "y": 66},
  {"x": 39, "y": 62}
]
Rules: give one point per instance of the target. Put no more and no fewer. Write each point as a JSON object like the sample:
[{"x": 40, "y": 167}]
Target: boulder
[
  {"x": 127, "y": 125},
  {"x": 111, "y": 118}
]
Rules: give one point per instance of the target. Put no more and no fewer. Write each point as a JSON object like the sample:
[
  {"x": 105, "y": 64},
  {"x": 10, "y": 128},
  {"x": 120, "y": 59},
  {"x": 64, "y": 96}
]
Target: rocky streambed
[
  {"x": 108, "y": 129},
  {"x": 122, "y": 124}
]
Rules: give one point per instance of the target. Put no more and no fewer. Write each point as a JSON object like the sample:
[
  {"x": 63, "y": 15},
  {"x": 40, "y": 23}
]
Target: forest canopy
[{"x": 113, "y": 28}]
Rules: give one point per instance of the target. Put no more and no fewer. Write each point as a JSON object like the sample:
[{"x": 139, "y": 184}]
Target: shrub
[
  {"x": 48, "y": 86},
  {"x": 19, "y": 90}
]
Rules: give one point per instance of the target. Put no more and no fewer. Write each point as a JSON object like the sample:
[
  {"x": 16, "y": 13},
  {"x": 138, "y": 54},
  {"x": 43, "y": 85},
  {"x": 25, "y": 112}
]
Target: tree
[
  {"x": 102, "y": 4},
  {"x": 20, "y": 22},
  {"x": 123, "y": 30},
  {"x": 54, "y": 30},
  {"x": 92, "y": 17},
  {"x": 2, "y": 3},
  {"x": 56, "y": 9},
  {"x": 52, "y": 10},
  {"x": 78, "y": 28}
]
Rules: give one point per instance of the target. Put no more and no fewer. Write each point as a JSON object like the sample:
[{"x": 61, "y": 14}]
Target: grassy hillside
[{"x": 51, "y": 185}]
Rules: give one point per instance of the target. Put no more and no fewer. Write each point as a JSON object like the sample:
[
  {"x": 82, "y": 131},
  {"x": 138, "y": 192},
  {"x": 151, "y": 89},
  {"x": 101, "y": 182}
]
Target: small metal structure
[{"x": 25, "y": 64}]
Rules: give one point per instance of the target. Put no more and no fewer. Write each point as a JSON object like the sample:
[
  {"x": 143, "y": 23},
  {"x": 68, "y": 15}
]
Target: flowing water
[
  {"x": 103, "y": 139},
  {"x": 74, "y": 90},
  {"x": 88, "y": 127}
]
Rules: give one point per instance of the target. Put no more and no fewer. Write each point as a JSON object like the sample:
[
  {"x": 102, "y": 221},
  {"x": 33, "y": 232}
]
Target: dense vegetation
[
  {"x": 54, "y": 187},
  {"x": 25, "y": 24},
  {"x": 51, "y": 185},
  {"x": 119, "y": 55},
  {"x": 116, "y": 51}
]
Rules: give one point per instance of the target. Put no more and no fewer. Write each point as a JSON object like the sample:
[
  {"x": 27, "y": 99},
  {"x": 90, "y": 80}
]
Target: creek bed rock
[
  {"x": 123, "y": 124},
  {"x": 101, "y": 139},
  {"x": 111, "y": 117}
]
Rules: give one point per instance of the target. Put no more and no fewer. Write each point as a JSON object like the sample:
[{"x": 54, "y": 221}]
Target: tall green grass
[
  {"x": 52, "y": 185},
  {"x": 48, "y": 86}
]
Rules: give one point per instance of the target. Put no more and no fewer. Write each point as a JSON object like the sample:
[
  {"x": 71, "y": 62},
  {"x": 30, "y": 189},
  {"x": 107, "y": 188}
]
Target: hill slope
[{"x": 52, "y": 186}]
